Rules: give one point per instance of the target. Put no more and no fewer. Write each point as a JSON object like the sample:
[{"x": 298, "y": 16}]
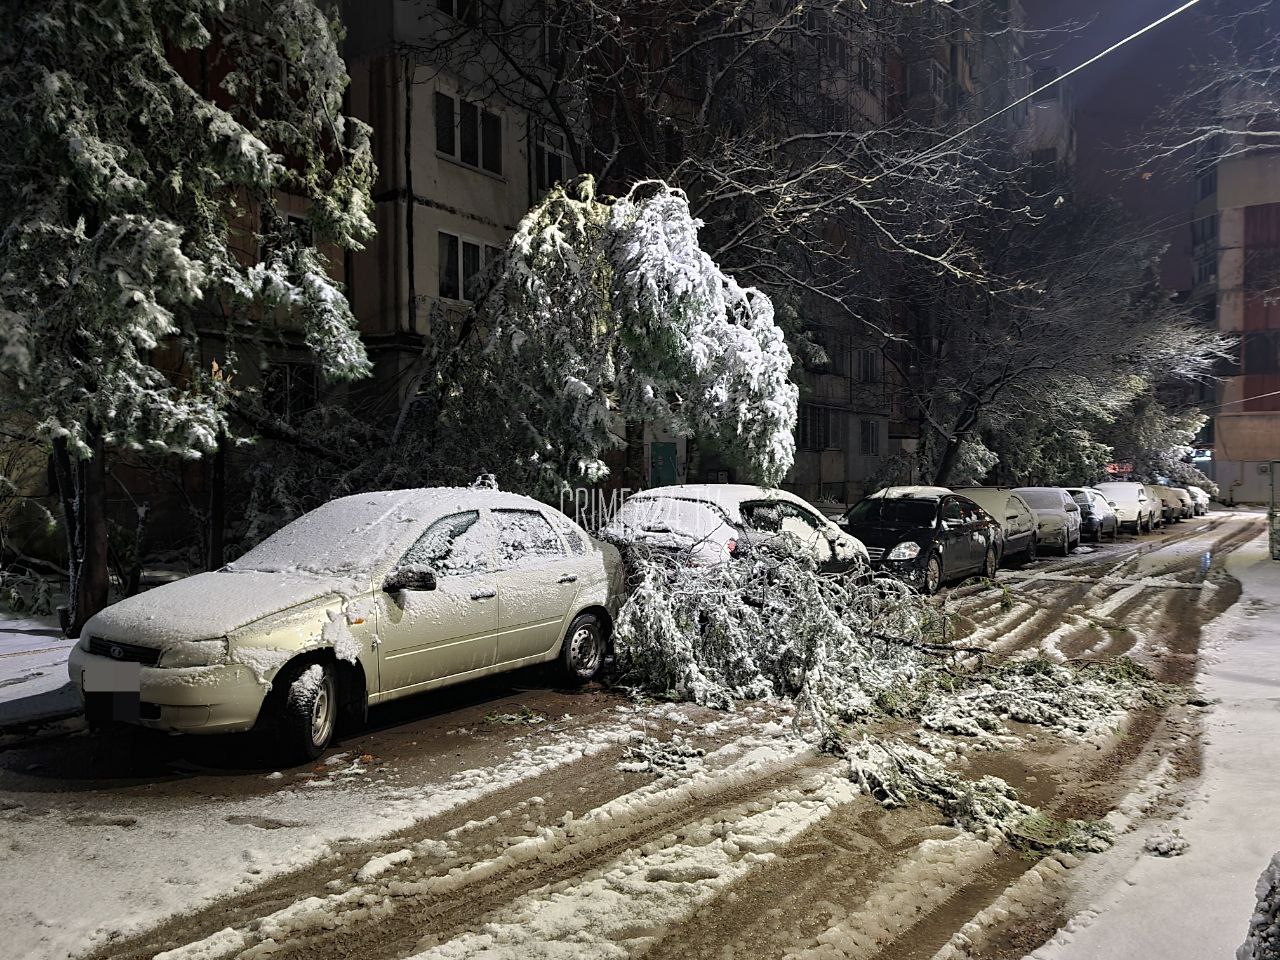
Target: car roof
[
  {"x": 1020, "y": 489},
  {"x": 912, "y": 492},
  {"x": 726, "y": 496},
  {"x": 424, "y": 500}
]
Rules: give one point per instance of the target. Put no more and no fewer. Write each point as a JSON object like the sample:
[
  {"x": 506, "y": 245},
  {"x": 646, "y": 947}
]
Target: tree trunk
[
  {"x": 217, "y": 506},
  {"x": 82, "y": 488},
  {"x": 948, "y": 461}
]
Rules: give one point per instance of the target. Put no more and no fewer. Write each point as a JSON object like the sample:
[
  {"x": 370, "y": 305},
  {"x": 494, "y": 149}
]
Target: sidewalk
[
  {"x": 33, "y": 670},
  {"x": 1198, "y": 905}
]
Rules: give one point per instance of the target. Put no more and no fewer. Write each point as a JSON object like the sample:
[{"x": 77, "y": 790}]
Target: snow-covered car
[
  {"x": 1098, "y": 517},
  {"x": 925, "y": 538},
  {"x": 366, "y": 599},
  {"x": 1201, "y": 500},
  {"x": 1171, "y": 503},
  {"x": 1187, "y": 501},
  {"x": 1016, "y": 519},
  {"x": 709, "y": 523},
  {"x": 1133, "y": 505},
  {"x": 1057, "y": 516},
  {"x": 909, "y": 491}
]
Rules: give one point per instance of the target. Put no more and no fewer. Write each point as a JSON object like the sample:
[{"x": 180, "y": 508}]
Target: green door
[{"x": 662, "y": 464}]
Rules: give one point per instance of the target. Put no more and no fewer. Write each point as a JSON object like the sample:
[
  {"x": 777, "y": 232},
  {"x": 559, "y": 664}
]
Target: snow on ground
[
  {"x": 122, "y": 870},
  {"x": 33, "y": 670},
  {"x": 1199, "y": 904}
]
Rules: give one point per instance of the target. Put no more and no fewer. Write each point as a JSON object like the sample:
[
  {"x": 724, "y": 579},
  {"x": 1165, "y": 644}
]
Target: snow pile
[
  {"x": 1167, "y": 844},
  {"x": 1263, "y": 941}
]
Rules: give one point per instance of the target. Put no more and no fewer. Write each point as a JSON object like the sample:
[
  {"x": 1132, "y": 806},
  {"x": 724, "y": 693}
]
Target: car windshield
[
  {"x": 342, "y": 538},
  {"x": 1042, "y": 499},
  {"x": 670, "y": 516},
  {"x": 1080, "y": 497},
  {"x": 899, "y": 511}
]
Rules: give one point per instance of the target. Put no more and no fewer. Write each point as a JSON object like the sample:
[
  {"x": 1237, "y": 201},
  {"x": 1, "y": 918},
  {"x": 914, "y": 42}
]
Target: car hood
[{"x": 206, "y": 606}]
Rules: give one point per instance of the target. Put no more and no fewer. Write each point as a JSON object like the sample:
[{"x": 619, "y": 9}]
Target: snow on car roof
[
  {"x": 727, "y": 496},
  {"x": 921, "y": 492},
  {"x": 352, "y": 534}
]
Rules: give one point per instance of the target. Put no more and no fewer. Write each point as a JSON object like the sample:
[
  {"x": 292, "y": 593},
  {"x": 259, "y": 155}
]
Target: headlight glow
[{"x": 905, "y": 551}]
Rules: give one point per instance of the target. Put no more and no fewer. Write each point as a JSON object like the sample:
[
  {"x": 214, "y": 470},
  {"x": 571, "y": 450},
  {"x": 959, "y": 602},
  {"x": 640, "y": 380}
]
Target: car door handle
[
  {"x": 484, "y": 594},
  {"x": 569, "y": 578}
]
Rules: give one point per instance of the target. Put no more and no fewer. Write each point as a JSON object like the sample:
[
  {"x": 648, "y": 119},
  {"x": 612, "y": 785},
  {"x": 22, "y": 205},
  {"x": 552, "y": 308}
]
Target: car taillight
[{"x": 732, "y": 547}]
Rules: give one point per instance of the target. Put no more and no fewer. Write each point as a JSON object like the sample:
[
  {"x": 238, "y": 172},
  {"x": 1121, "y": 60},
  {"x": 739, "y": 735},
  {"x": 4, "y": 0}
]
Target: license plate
[{"x": 108, "y": 676}]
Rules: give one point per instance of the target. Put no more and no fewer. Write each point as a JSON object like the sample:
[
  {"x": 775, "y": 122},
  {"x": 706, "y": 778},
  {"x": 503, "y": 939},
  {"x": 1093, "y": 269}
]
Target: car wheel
[
  {"x": 305, "y": 711},
  {"x": 1030, "y": 555},
  {"x": 990, "y": 563},
  {"x": 582, "y": 653},
  {"x": 933, "y": 574}
]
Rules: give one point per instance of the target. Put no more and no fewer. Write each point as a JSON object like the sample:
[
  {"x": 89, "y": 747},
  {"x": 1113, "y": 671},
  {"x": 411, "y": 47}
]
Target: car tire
[
  {"x": 989, "y": 563},
  {"x": 933, "y": 574},
  {"x": 1029, "y": 556},
  {"x": 583, "y": 652},
  {"x": 303, "y": 711},
  {"x": 1066, "y": 546},
  {"x": 1097, "y": 537}
]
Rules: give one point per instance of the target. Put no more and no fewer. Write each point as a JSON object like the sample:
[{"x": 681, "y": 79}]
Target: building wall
[{"x": 1247, "y": 422}]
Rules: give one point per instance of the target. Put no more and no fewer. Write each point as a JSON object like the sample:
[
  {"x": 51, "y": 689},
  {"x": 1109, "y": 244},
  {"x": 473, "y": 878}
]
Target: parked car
[
  {"x": 1187, "y": 501},
  {"x": 1170, "y": 502},
  {"x": 712, "y": 522},
  {"x": 926, "y": 538},
  {"x": 1057, "y": 517},
  {"x": 1097, "y": 515},
  {"x": 366, "y": 599},
  {"x": 1133, "y": 505},
  {"x": 1201, "y": 499},
  {"x": 1017, "y": 521}
]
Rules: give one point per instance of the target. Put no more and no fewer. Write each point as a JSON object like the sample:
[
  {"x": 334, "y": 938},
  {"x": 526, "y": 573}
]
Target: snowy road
[{"x": 512, "y": 820}]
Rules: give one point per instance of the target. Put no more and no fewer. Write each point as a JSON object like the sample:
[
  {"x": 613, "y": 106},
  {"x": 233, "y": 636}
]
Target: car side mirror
[
  {"x": 409, "y": 580},
  {"x": 1111, "y": 504},
  {"x": 1073, "y": 508}
]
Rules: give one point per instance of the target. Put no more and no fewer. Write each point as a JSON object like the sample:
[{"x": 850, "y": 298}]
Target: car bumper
[
  {"x": 1056, "y": 537},
  {"x": 224, "y": 698},
  {"x": 908, "y": 571}
]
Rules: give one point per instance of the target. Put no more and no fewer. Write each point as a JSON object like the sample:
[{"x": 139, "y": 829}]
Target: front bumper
[
  {"x": 1056, "y": 537},
  {"x": 224, "y": 698},
  {"x": 908, "y": 571}
]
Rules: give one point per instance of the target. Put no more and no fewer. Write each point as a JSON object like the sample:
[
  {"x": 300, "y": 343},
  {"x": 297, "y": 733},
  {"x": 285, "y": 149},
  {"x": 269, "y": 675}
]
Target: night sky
[{"x": 1118, "y": 96}]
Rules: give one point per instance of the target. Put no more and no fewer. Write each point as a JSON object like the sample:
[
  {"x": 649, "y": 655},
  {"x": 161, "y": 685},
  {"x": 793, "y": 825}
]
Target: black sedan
[{"x": 926, "y": 538}]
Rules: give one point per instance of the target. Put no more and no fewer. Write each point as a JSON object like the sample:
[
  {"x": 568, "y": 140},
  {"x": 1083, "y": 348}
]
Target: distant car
[
  {"x": 710, "y": 523},
  {"x": 1133, "y": 505},
  {"x": 1057, "y": 516},
  {"x": 1188, "y": 502},
  {"x": 1017, "y": 521},
  {"x": 1171, "y": 503},
  {"x": 366, "y": 599},
  {"x": 1201, "y": 499},
  {"x": 909, "y": 491},
  {"x": 1097, "y": 517},
  {"x": 926, "y": 538}
]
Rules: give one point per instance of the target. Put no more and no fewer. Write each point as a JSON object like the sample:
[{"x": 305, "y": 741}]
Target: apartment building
[{"x": 1236, "y": 251}]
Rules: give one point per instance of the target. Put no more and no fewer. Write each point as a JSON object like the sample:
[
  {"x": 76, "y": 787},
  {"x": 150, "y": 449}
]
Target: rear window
[
  {"x": 916, "y": 513},
  {"x": 1080, "y": 497},
  {"x": 1042, "y": 499}
]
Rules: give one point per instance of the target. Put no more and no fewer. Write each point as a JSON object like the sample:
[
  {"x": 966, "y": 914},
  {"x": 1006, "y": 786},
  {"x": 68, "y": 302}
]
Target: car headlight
[
  {"x": 194, "y": 653},
  {"x": 905, "y": 551}
]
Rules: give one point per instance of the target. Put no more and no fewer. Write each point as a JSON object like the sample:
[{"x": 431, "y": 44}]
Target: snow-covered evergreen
[{"x": 144, "y": 146}]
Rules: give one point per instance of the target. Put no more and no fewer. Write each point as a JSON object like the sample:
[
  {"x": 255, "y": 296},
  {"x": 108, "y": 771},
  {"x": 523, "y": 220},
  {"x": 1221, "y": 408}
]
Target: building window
[
  {"x": 820, "y": 428},
  {"x": 550, "y": 161},
  {"x": 468, "y": 133},
  {"x": 461, "y": 263},
  {"x": 1260, "y": 352},
  {"x": 869, "y": 438},
  {"x": 868, "y": 366},
  {"x": 1207, "y": 182},
  {"x": 866, "y": 70},
  {"x": 465, "y": 10}
]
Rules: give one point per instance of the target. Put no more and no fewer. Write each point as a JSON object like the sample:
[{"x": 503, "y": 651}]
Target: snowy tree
[
  {"x": 609, "y": 310},
  {"x": 146, "y": 146},
  {"x": 1081, "y": 330}
]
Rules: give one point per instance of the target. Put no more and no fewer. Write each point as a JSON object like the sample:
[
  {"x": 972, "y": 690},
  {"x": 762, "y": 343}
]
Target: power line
[
  {"x": 925, "y": 154},
  {"x": 1261, "y": 396}
]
